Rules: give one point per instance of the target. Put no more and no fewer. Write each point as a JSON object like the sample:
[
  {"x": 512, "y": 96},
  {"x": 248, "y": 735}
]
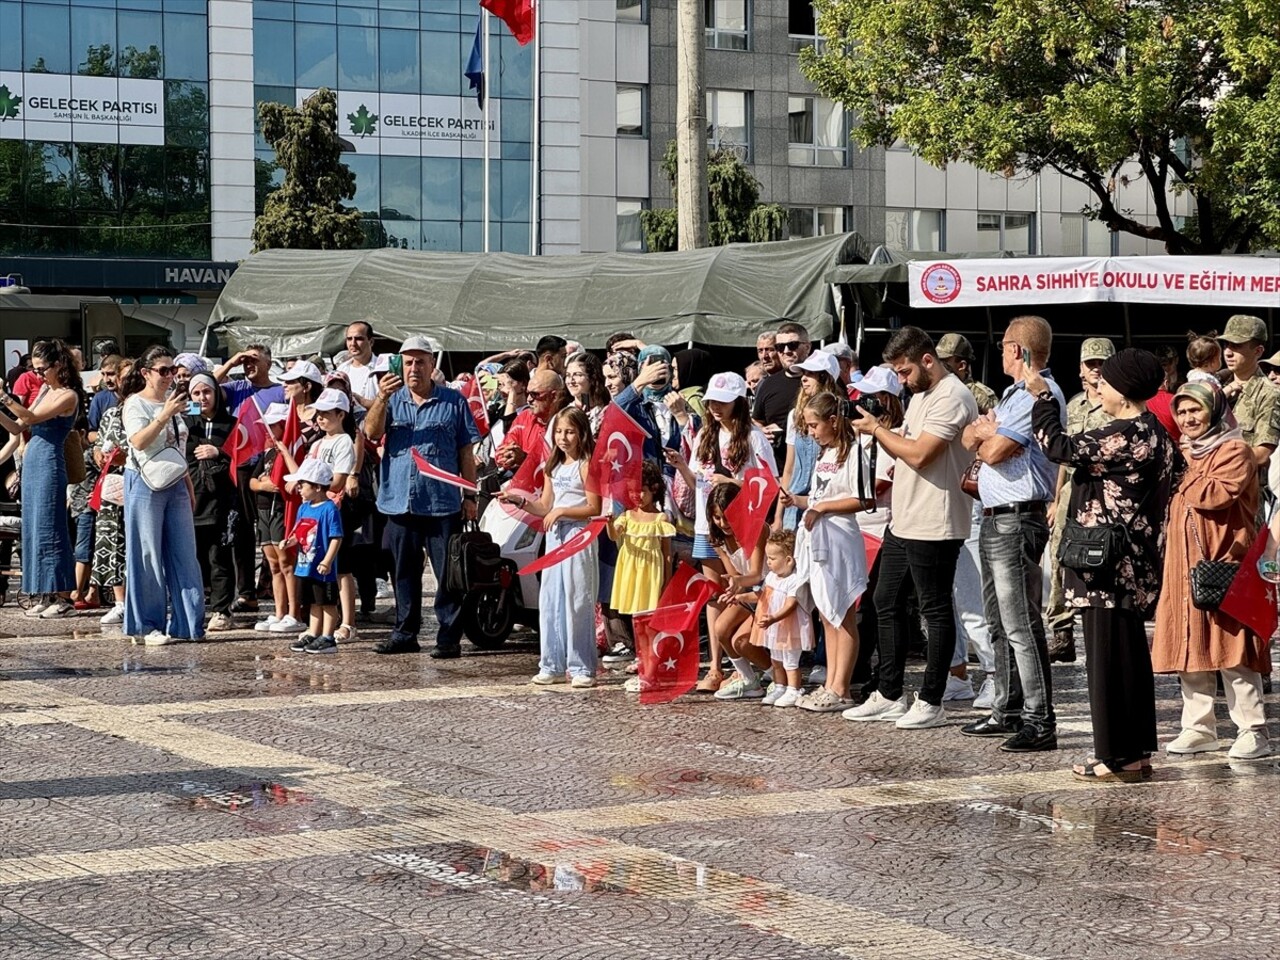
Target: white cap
[
  {"x": 820, "y": 362},
  {"x": 418, "y": 344},
  {"x": 303, "y": 370},
  {"x": 839, "y": 349},
  {"x": 313, "y": 471},
  {"x": 726, "y": 388},
  {"x": 880, "y": 380},
  {"x": 275, "y": 413},
  {"x": 332, "y": 400}
]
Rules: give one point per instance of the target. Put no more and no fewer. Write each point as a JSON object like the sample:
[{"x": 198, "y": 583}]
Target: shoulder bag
[
  {"x": 73, "y": 454},
  {"x": 1210, "y": 579},
  {"x": 169, "y": 466},
  {"x": 1094, "y": 548}
]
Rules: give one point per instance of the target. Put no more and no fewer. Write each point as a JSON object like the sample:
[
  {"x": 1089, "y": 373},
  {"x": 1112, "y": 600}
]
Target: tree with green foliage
[
  {"x": 736, "y": 214},
  {"x": 1186, "y": 90},
  {"x": 306, "y": 212}
]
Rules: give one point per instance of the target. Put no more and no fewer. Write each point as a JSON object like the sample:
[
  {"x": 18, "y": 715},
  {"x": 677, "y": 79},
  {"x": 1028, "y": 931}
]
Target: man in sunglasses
[
  {"x": 776, "y": 394},
  {"x": 528, "y": 432},
  {"x": 359, "y": 366}
]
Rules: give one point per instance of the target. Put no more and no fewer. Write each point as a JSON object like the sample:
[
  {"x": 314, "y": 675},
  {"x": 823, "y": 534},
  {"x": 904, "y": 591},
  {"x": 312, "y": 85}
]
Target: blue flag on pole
[{"x": 475, "y": 64}]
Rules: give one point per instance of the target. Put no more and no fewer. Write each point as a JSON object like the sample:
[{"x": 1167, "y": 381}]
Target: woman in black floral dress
[{"x": 1123, "y": 474}]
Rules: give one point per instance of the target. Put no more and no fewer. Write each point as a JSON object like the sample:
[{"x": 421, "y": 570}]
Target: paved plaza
[{"x": 232, "y": 799}]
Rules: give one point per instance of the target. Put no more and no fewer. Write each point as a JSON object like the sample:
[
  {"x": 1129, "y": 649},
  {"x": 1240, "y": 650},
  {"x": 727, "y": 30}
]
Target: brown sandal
[{"x": 710, "y": 683}]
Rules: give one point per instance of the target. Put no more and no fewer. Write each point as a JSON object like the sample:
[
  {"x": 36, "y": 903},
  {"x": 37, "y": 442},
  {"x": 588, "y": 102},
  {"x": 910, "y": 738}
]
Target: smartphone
[
  {"x": 395, "y": 366},
  {"x": 193, "y": 408},
  {"x": 1026, "y": 357}
]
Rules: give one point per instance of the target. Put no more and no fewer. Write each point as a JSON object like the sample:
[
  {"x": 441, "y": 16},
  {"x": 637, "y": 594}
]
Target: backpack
[{"x": 472, "y": 560}]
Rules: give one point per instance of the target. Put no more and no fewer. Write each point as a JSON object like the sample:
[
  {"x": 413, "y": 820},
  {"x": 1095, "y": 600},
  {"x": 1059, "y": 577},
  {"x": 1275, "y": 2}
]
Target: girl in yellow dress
[{"x": 644, "y": 537}]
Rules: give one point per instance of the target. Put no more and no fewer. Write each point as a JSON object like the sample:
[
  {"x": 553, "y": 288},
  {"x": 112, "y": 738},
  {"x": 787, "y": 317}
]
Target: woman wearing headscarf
[
  {"x": 1122, "y": 475},
  {"x": 1212, "y": 516},
  {"x": 215, "y": 495},
  {"x": 645, "y": 400}
]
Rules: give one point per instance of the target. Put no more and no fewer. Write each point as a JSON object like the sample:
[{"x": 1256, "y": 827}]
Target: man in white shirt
[
  {"x": 931, "y": 517},
  {"x": 359, "y": 368}
]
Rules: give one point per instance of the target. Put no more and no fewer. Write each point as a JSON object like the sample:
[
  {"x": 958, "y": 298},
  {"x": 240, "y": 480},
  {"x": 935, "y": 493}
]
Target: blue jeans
[
  {"x": 410, "y": 538},
  {"x": 163, "y": 587},
  {"x": 84, "y": 536},
  {"x": 566, "y": 603},
  {"x": 1013, "y": 597}
]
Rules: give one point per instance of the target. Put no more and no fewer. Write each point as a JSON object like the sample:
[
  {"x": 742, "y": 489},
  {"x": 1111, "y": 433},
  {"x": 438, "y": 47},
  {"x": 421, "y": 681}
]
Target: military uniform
[
  {"x": 1257, "y": 410},
  {"x": 984, "y": 395},
  {"x": 954, "y": 345}
]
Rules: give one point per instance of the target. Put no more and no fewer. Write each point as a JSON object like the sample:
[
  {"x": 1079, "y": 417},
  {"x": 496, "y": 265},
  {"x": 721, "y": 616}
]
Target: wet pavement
[{"x": 233, "y": 799}]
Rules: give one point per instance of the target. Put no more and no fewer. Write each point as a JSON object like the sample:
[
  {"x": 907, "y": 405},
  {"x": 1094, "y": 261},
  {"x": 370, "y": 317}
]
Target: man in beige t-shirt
[{"x": 931, "y": 519}]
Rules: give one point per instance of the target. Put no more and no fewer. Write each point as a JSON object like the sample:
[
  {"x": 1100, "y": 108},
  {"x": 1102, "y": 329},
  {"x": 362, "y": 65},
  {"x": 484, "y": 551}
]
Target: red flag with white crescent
[
  {"x": 682, "y": 600},
  {"x": 1252, "y": 600},
  {"x": 474, "y": 392},
  {"x": 292, "y": 438},
  {"x": 750, "y": 508},
  {"x": 529, "y": 479},
  {"x": 576, "y": 544},
  {"x": 248, "y": 438},
  {"x": 429, "y": 469},
  {"x": 668, "y": 658},
  {"x": 615, "y": 468}
]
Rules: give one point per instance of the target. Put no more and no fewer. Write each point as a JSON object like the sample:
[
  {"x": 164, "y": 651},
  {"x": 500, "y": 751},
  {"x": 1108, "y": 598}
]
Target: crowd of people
[{"x": 914, "y": 505}]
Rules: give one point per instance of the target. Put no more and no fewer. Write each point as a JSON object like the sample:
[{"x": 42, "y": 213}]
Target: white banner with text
[
  {"x": 408, "y": 125},
  {"x": 66, "y": 108}
]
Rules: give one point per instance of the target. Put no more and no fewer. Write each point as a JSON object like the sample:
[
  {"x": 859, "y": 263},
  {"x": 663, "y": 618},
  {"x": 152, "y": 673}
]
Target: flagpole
[
  {"x": 485, "y": 20},
  {"x": 535, "y": 194}
]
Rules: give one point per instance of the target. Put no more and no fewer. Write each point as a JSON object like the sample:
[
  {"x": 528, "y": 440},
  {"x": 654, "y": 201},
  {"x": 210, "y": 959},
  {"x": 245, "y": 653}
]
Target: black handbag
[
  {"x": 472, "y": 560},
  {"x": 1090, "y": 548},
  {"x": 1210, "y": 579}
]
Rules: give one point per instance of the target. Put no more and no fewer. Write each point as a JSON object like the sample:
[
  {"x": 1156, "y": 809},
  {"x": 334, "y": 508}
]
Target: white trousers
[
  {"x": 1244, "y": 700},
  {"x": 567, "y": 608}
]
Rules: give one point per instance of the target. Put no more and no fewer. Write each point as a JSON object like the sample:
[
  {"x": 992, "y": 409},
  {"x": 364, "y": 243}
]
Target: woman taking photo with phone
[{"x": 209, "y": 424}]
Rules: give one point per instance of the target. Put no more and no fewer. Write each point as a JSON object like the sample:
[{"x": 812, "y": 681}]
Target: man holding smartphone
[
  {"x": 776, "y": 395},
  {"x": 1016, "y": 486}
]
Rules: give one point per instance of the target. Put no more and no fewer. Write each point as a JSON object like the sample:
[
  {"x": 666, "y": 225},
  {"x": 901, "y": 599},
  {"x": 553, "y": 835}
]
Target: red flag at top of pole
[
  {"x": 249, "y": 438},
  {"x": 614, "y": 471},
  {"x": 518, "y": 15},
  {"x": 750, "y": 508}
]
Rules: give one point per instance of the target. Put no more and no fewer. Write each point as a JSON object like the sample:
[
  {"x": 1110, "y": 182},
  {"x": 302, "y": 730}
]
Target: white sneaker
[
  {"x": 1192, "y": 741},
  {"x": 286, "y": 624},
  {"x": 618, "y": 653},
  {"x": 773, "y": 694},
  {"x": 57, "y": 609},
  {"x": 262, "y": 626},
  {"x": 958, "y": 688},
  {"x": 1250, "y": 745},
  {"x": 921, "y": 716},
  {"x": 158, "y": 638},
  {"x": 789, "y": 698},
  {"x": 986, "y": 698},
  {"x": 545, "y": 679},
  {"x": 582, "y": 683},
  {"x": 384, "y": 591},
  {"x": 818, "y": 675},
  {"x": 877, "y": 707},
  {"x": 37, "y": 607},
  {"x": 113, "y": 616},
  {"x": 739, "y": 689}
]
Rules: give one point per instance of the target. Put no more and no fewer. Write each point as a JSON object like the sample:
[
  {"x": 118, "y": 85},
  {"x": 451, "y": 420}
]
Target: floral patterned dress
[{"x": 1123, "y": 472}]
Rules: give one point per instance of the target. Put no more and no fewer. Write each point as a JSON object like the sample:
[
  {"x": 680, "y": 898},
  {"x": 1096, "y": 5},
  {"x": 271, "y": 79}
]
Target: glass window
[
  {"x": 186, "y": 113},
  {"x": 93, "y": 41},
  {"x": 11, "y": 37},
  {"x": 316, "y": 50},
  {"x": 441, "y": 188},
  {"x": 815, "y": 221},
  {"x": 401, "y": 188},
  {"x": 631, "y": 111},
  {"x": 399, "y": 61},
  {"x": 311, "y": 12},
  {"x": 1006, "y": 231},
  {"x": 913, "y": 229},
  {"x": 632, "y": 11},
  {"x": 442, "y": 63},
  {"x": 802, "y": 29},
  {"x": 46, "y": 36},
  {"x": 141, "y": 37},
  {"x": 267, "y": 175},
  {"x": 365, "y": 167},
  {"x": 273, "y": 53},
  {"x": 472, "y": 191},
  {"x": 515, "y": 237},
  {"x": 186, "y": 47},
  {"x": 517, "y": 180},
  {"x": 726, "y": 24},
  {"x": 1082, "y": 236},
  {"x": 358, "y": 58},
  {"x": 816, "y": 132},
  {"x": 729, "y": 121},
  {"x": 511, "y": 65},
  {"x": 445, "y": 236},
  {"x": 630, "y": 231}
]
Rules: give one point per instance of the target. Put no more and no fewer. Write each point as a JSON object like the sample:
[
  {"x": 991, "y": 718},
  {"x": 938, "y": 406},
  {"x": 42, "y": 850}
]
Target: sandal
[
  {"x": 710, "y": 683},
  {"x": 345, "y": 633},
  {"x": 1117, "y": 771}
]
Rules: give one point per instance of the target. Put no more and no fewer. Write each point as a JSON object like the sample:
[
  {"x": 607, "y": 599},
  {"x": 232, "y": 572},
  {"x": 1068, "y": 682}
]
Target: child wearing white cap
[{"x": 317, "y": 535}]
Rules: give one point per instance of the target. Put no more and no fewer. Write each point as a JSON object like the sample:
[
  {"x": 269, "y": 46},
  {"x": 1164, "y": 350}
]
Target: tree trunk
[{"x": 691, "y": 125}]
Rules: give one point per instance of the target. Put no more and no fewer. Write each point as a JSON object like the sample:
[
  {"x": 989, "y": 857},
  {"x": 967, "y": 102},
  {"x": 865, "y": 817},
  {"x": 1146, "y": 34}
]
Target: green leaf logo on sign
[
  {"x": 9, "y": 103},
  {"x": 363, "y": 123}
]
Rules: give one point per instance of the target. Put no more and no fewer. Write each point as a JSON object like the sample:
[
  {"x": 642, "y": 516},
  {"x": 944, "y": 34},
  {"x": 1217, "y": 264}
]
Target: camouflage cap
[
  {"x": 1242, "y": 328},
  {"x": 1097, "y": 348},
  {"x": 954, "y": 345}
]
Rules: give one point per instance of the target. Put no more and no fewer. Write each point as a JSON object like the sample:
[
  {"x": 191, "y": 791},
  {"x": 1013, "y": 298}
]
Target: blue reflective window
[
  {"x": 442, "y": 63},
  {"x": 515, "y": 238},
  {"x": 473, "y": 190},
  {"x": 273, "y": 53},
  {"x": 186, "y": 113},
  {"x": 357, "y": 58},
  {"x": 365, "y": 167},
  {"x": 46, "y": 35},
  {"x": 401, "y": 188},
  {"x": 93, "y": 42},
  {"x": 517, "y": 181},
  {"x": 186, "y": 46},
  {"x": 141, "y": 38},
  {"x": 441, "y": 188},
  {"x": 512, "y": 64},
  {"x": 315, "y": 13},
  {"x": 317, "y": 55},
  {"x": 399, "y": 61},
  {"x": 11, "y": 37}
]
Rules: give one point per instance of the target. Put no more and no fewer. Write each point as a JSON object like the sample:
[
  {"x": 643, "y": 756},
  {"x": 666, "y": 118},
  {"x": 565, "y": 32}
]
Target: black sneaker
[
  {"x": 991, "y": 727},
  {"x": 301, "y": 644},
  {"x": 325, "y": 644},
  {"x": 396, "y": 646},
  {"x": 1030, "y": 740},
  {"x": 446, "y": 653}
]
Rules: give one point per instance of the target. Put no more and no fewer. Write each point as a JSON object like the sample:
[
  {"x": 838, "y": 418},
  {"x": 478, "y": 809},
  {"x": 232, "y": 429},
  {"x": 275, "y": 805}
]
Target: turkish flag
[
  {"x": 614, "y": 471},
  {"x": 872, "y": 546},
  {"x": 575, "y": 544},
  {"x": 750, "y": 508},
  {"x": 529, "y": 479},
  {"x": 668, "y": 657},
  {"x": 304, "y": 532},
  {"x": 682, "y": 600},
  {"x": 516, "y": 14},
  {"x": 292, "y": 439},
  {"x": 249, "y": 438},
  {"x": 474, "y": 393},
  {"x": 1252, "y": 600},
  {"x": 429, "y": 469}
]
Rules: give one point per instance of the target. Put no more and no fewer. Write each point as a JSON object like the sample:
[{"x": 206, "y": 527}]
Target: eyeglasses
[
  {"x": 536, "y": 395},
  {"x": 162, "y": 371},
  {"x": 788, "y": 346},
  {"x": 35, "y": 369}
]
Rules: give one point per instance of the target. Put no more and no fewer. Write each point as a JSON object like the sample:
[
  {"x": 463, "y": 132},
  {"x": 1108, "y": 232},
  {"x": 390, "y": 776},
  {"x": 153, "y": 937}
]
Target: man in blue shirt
[
  {"x": 422, "y": 514},
  {"x": 1016, "y": 484}
]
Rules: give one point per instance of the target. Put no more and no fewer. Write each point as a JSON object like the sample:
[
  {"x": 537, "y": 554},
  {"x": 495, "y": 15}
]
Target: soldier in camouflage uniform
[
  {"x": 1254, "y": 398},
  {"x": 957, "y": 353},
  {"x": 1084, "y": 412}
]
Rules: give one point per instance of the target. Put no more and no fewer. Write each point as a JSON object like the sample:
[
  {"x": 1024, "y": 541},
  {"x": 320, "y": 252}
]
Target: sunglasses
[
  {"x": 788, "y": 346},
  {"x": 35, "y": 369},
  {"x": 536, "y": 395},
  {"x": 162, "y": 371}
]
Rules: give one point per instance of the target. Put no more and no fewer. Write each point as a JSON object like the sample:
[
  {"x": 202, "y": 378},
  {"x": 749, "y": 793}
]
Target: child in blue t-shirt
[{"x": 317, "y": 534}]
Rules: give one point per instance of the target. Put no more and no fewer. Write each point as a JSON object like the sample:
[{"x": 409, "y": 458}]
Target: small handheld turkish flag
[
  {"x": 615, "y": 468},
  {"x": 295, "y": 443},
  {"x": 1251, "y": 599},
  {"x": 668, "y": 658},
  {"x": 249, "y": 437},
  {"x": 429, "y": 469},
  {"x": 750, "y": 508},
  {"x": 474, "y": 392},
  {"x": 682, "y": 600},
  {"x": 529, "y": 479},
  {"x": 576, "y": 544}
]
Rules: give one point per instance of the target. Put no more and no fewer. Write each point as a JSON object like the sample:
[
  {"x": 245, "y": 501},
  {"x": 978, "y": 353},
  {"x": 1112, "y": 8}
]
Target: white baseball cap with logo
[
  {"x": 275, "y": 413},
  {"x": 331, "y": 400},
  {"x": 313, "y": 471},
  {"x": 726, "y": 388},
  {"x": 303, "y": 370},
  {"x": 880, "y": 380},
  {"x": 820, "y": 362}
]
